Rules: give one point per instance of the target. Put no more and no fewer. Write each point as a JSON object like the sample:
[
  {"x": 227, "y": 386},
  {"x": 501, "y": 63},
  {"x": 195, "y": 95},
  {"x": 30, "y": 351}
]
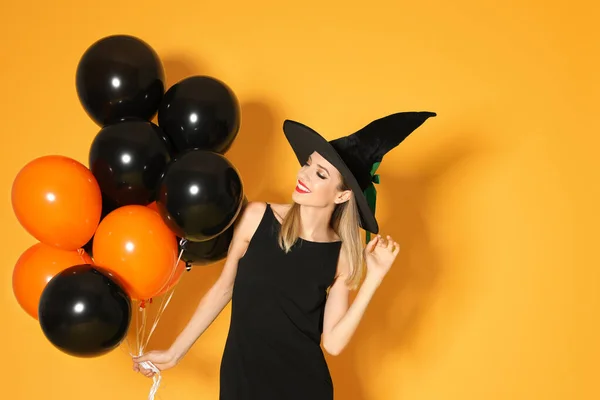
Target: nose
[{"x": 302, "y": 176}]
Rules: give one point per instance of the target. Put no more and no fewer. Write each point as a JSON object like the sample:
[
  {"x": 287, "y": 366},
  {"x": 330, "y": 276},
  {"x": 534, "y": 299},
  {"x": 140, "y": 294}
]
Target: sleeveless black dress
[{"x": 273, "y": 347}]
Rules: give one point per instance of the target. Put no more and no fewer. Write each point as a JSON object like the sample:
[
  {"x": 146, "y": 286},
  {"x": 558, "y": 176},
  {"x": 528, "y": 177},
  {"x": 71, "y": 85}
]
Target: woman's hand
[
  {"x": 161, "y": 360},
  {"x": 380, "y": 254}
]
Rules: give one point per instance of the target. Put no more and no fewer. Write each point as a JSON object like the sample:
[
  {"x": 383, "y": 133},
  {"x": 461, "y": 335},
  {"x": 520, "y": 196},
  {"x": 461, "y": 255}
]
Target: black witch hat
[{"x": 358, "y": 155}]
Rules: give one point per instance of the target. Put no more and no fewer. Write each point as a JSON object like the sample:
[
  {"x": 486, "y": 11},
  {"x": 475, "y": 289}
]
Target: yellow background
[{"x": 496, "y": 292}]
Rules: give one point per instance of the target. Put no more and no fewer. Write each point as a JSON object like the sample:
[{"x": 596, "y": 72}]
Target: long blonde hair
[{"x": 345, "y": 222}]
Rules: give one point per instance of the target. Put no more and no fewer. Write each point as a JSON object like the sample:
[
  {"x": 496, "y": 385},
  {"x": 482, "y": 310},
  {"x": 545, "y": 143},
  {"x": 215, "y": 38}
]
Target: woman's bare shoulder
[
  {"x": 249, "y": 219},
  {"x": 280, "y": 210}
]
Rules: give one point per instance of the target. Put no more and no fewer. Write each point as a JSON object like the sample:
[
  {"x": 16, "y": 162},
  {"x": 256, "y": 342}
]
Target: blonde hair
[{"x": 345, "y": 222}]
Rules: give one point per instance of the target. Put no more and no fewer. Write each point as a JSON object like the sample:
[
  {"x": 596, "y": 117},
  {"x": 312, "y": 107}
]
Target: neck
[{"x": 315, "y": 222}]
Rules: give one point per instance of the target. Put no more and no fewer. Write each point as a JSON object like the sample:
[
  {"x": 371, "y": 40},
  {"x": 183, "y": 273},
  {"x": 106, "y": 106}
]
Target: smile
[{"x": 301, "y": 188}]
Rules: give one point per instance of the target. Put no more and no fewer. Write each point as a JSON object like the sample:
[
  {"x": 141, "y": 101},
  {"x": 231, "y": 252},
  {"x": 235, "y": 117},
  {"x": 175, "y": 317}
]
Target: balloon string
[
  {"x": 137, "y": 332},
  {"x": 142, "y": 330},
  {"x": 182, "y": 243},
  {"x": 156, "y": 378},
  {"x": 139, "y": 329},
  {"x": 140, "y": 326},
  {"x": 158, "y": 315},
  {"x": 128, "y": 344},
  {"x": 134, "y": 349},
  {"x": 80, "y": 253},
  {"x": 165, "y": 300}
]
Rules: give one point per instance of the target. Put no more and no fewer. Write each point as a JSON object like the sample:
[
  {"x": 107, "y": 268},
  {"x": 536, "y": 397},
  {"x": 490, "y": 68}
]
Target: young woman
[{"x": 290, "y": 269}]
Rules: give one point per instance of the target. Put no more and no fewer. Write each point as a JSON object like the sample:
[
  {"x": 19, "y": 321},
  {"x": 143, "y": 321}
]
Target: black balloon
[
  {"x": 120, "y": 77},
  {"x": 200, "y": 112},
  {"x": 84, "y": 311},
  {"x": 210, "y": 251},
  {"x": 128, "y": 158},
  {"x": 200, "y": 195}
]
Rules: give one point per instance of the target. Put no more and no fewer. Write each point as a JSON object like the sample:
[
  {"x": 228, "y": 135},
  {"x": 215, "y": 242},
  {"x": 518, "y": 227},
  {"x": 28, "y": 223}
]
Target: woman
[{"x": 290, "y": 268}]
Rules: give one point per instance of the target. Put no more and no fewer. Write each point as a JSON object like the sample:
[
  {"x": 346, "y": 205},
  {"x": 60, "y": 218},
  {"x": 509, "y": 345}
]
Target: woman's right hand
[{"x": 161, "y": 359}]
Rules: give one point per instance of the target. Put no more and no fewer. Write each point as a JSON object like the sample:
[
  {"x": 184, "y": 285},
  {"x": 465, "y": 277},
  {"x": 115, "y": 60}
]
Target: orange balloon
[
  {"x": 58, "y": 201},
  {"x": 153, "y": 206},
  {"x": 181, "y": 267},
  {"x": 36, "y": 267},
  {"x": 137, "y": 246}
]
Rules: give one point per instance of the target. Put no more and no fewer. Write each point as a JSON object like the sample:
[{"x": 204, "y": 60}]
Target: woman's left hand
[{"x": 380, "y": 254}]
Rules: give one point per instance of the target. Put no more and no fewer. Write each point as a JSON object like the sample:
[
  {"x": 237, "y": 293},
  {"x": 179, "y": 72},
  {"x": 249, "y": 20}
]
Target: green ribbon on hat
[{"x": 371, "y": 193}]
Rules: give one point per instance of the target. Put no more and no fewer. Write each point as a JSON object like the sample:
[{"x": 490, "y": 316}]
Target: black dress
[{"x": 273, "y": 347}]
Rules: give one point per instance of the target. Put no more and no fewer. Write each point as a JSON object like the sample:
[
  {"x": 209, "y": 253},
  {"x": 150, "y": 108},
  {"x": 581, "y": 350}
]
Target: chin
[
  {"x": 302, "y": 199},
  {"x": 297, "y": 197},
  {"x": 306, "y": 200}
]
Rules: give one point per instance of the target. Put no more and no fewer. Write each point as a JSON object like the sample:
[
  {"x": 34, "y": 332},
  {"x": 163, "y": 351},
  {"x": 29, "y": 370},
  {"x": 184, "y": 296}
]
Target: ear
[{"x": 343, "y": 196}]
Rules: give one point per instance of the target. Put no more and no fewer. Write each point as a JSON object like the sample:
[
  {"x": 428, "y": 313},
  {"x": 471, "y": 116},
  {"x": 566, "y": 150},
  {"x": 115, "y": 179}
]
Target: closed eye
[{"x": 319, "y": 174}]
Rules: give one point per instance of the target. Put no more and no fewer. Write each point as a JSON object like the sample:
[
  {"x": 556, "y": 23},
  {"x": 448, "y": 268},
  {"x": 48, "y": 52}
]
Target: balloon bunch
[{"x": 156, "y": 199}]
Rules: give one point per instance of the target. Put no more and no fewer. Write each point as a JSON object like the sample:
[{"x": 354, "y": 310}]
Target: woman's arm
[
  {"x": 217, "y": 297},
  {"x": 340, "y": 321},
  {"x": 215, "y": 300}
]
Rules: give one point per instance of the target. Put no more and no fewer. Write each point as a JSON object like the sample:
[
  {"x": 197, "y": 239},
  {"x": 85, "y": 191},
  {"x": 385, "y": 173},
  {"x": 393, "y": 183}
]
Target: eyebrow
[{"x": 320, "y": 166}]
